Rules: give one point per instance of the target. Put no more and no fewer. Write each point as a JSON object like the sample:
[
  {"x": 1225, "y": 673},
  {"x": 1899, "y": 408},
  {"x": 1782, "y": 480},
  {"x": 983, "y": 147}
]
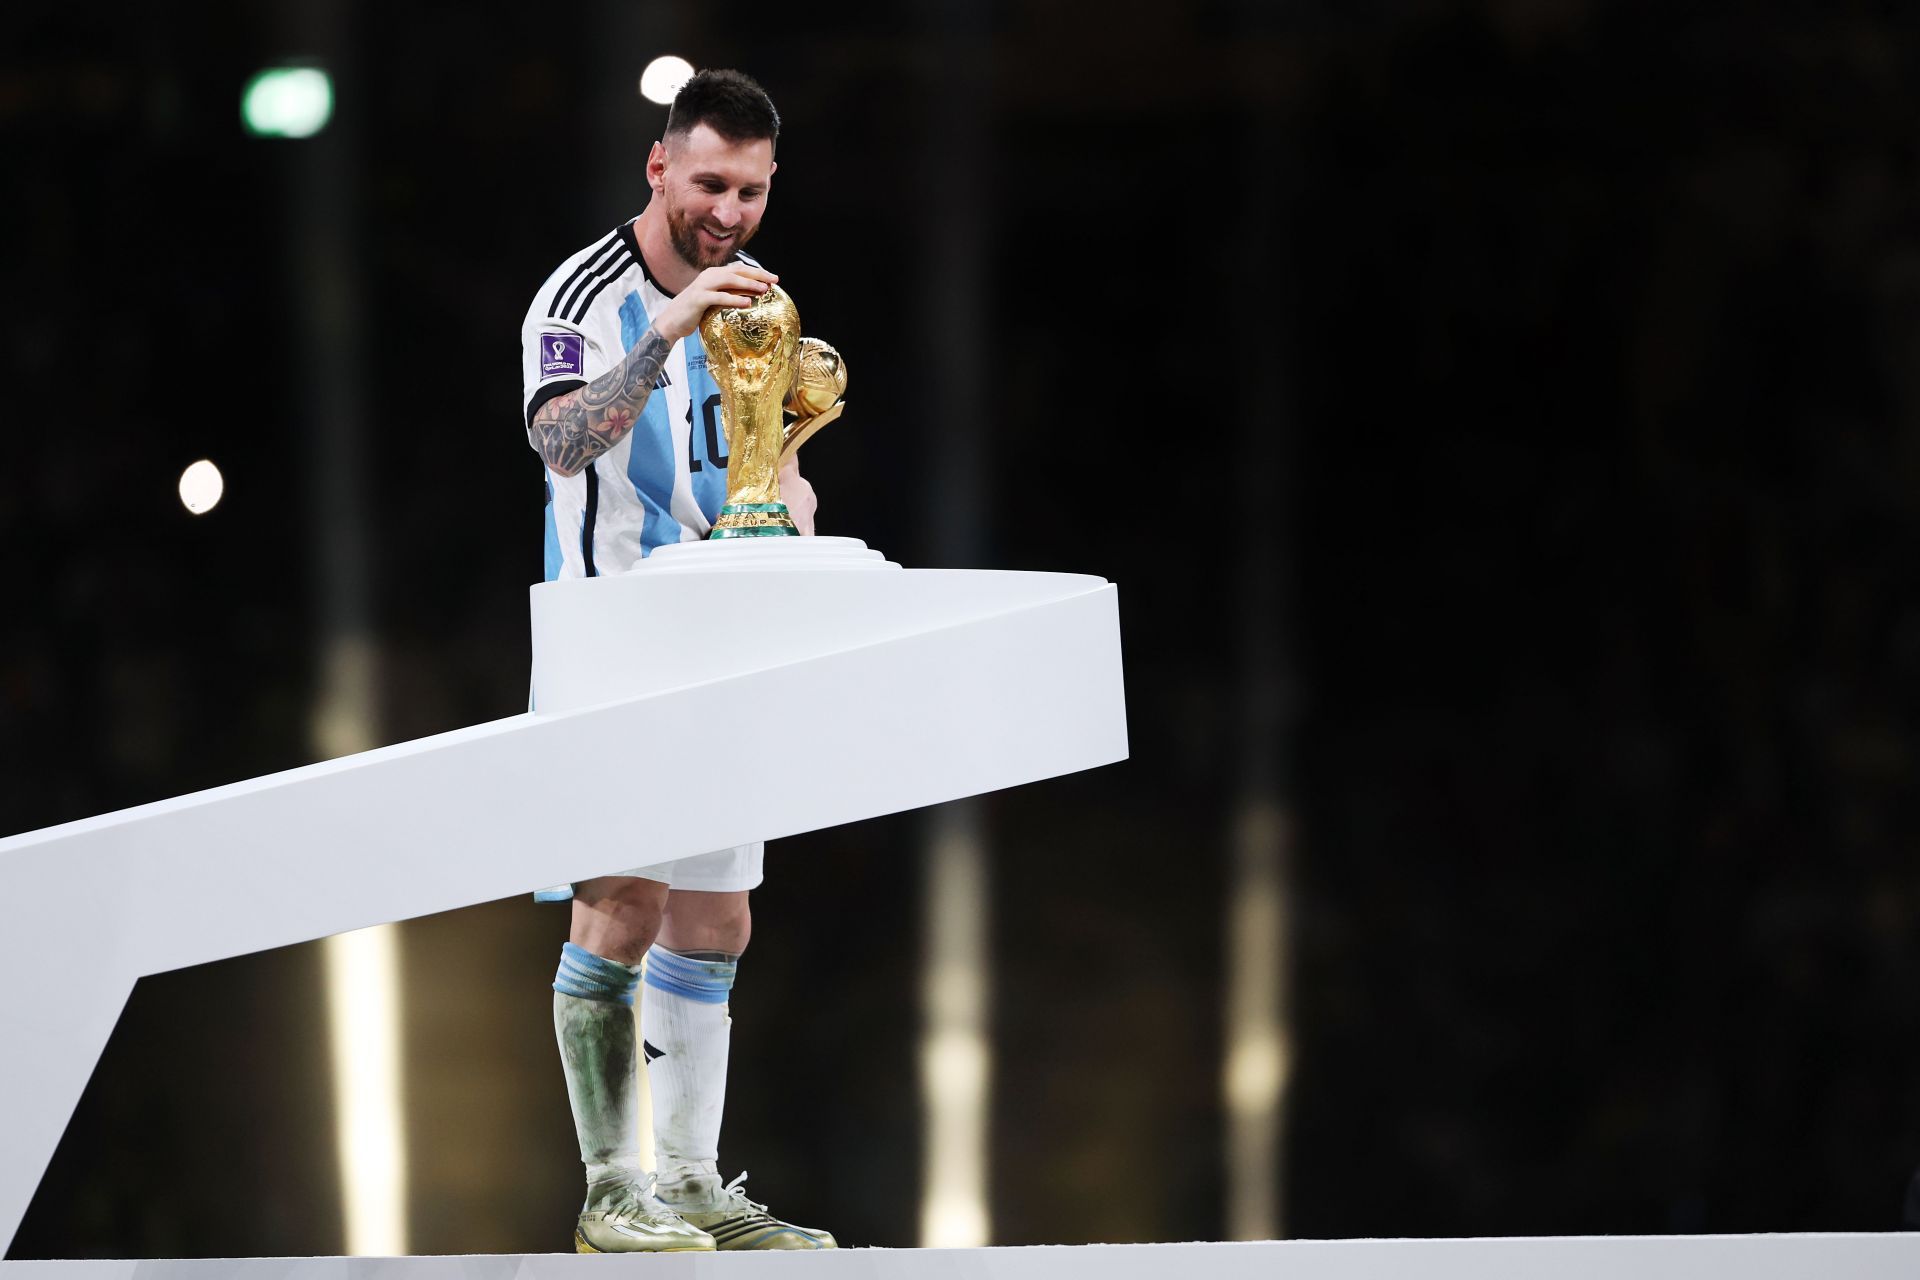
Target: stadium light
[
  {"x": 1258, "y": 1063},
  {"x": 287, "y": 102},
  {"x": 956, "y": 1050},
  {"x": 663, "y": 78},
  {"x": 363, "y": 1012},
  {"x": 200, "y": 487}
]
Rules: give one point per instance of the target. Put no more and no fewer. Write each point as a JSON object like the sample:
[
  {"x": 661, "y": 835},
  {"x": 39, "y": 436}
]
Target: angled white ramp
[
  {"x": 1775, "y": 1257},
  {"x": 731, "y": 692}
]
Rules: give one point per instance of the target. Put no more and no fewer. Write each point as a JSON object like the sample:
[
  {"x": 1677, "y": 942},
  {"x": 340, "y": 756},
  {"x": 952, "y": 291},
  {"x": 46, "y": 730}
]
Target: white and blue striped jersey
[{"x": 667, "y": 478}]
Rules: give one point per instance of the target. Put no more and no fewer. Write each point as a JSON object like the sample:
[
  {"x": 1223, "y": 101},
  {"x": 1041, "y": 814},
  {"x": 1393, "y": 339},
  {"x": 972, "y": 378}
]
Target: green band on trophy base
[{"x": 754, "y": 520}]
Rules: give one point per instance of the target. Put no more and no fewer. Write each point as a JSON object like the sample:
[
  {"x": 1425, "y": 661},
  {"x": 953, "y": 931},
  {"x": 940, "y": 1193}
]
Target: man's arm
[{"x": 571, "y": 430}]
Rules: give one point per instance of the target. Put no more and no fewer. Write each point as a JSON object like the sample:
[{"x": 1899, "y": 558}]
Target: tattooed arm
[{"x": 571, "y": 430}]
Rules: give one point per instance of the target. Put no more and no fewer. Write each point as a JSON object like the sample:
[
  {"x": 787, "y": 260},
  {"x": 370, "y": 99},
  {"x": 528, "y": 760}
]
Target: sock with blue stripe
[
  {"x": 683, "y": 1015},
  {"x": 593, "y": 1021}
]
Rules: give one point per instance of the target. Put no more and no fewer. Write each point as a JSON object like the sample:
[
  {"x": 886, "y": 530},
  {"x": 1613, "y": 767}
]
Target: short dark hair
[{"x": 728, "y": 102}]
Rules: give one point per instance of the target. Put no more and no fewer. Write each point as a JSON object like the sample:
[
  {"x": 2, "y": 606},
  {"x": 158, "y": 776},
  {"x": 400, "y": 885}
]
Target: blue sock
[
  {"x": 590, "y": 977},
  {"x": 700, "y": 980}
]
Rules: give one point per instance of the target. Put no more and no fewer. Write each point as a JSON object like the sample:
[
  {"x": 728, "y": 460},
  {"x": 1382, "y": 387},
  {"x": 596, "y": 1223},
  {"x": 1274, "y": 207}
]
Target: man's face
[{"x": 714, "y": 192}]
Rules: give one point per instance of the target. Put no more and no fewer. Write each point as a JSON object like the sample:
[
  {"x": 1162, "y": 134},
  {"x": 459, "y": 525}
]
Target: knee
[
  {"x": 732, "y": 931},
  {"x": 725, "y": 925},
  {"x": 618, "y": 917}
]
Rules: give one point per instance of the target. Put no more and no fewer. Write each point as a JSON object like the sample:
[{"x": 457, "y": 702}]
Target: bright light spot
[
  {"x": 287, "y": 102},
  {"x": 955, "y": 1070},
  {"x": 201, "y": 487},
  {"x": 1256, "y": 1072},
  {"x": 363, "y": 1010},
  {"x": 1259, "y": 1057},
  {"x": 955, "y": 1065},
  {"x": 663, "y": 78},
  {"x": 956, "y": 1052}
]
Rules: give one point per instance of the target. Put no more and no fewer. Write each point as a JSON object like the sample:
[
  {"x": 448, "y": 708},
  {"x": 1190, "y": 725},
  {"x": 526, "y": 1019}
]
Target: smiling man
[{"x": 621, "y": 408}]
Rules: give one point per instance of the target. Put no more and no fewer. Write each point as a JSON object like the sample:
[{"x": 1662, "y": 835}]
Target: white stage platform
[
  {"x": 730, "y": 692},
  {"x": 1770, "y": 1257},
  {"x": 908, "y": 688}
]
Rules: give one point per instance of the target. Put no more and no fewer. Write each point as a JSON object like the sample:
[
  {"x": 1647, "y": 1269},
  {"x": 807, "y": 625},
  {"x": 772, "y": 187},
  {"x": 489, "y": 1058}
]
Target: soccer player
[{"x": 621, "y": 408}]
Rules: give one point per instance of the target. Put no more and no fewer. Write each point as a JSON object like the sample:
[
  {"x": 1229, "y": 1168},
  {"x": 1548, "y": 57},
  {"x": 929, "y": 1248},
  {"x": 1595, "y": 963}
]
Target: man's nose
[{"x": 726, "y": 211}]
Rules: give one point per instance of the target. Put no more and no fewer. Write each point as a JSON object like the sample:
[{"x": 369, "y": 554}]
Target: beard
[{"x": 685, "y": 238}]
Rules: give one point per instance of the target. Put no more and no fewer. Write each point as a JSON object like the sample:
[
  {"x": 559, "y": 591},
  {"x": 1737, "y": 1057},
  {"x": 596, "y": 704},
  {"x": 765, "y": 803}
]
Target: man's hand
[
  {"x": 731, "y": 284},
  {"x": 798, "y": 495}
]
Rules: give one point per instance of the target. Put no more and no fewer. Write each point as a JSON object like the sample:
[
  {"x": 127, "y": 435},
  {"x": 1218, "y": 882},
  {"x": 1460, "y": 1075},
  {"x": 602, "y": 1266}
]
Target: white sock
[{"x": 685, "y": 1027}]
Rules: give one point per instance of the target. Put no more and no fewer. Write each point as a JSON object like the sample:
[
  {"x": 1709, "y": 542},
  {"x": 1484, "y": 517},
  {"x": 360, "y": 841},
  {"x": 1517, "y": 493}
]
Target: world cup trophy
[{"x": 766, "y": 370}]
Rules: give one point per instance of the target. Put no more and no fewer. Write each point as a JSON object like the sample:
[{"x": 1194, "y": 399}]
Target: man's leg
[
  {"x": 686, "y": 1029},
  {"x": 685, "y": 1025},
  {"x": 615, "y": 920}
]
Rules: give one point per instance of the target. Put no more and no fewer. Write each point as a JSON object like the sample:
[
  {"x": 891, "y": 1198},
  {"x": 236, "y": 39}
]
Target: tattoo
[
  {"x": 604, "y": 389},
  {"x": 572, "y": 430},
  {"x": 641, "y": 375}
]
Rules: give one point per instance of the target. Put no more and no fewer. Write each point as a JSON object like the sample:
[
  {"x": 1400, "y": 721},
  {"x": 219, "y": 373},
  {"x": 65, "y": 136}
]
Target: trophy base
[
  {"x": 754, "y": 520},
  {"x": 763, "y": 555}
]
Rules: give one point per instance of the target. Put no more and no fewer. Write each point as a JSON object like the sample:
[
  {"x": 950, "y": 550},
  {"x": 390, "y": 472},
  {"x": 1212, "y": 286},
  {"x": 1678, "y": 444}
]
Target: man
[{"x": 621, "y": 408}]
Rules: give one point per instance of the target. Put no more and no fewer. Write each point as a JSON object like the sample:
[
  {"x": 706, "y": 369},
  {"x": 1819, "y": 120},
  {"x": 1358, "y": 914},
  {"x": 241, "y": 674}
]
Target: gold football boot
[
  {"x": 731, "y": 1220},
  {"x": 628, "y": 1218}
]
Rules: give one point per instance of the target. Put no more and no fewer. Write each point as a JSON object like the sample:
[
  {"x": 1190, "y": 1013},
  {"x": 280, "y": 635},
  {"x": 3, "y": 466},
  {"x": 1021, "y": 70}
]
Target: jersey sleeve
[{"x": 555, "y": 357}]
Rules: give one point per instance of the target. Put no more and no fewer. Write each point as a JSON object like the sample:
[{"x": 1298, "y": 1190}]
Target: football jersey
[{"x": 667, "y": 478}]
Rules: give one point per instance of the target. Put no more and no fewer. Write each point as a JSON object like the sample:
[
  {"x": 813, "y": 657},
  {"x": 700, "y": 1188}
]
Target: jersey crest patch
[{"x": 560, "y": 353}]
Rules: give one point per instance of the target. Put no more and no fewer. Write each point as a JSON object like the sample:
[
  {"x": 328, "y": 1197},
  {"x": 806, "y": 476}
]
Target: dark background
[{"x": 1500, "y": 419}]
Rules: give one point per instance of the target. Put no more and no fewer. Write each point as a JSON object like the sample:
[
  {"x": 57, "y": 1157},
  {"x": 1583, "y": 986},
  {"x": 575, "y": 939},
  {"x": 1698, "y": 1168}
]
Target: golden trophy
[{"x": 766, "y": 370}]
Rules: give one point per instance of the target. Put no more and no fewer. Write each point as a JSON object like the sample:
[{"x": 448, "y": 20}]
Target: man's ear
[{"x": 657, "y": 166}]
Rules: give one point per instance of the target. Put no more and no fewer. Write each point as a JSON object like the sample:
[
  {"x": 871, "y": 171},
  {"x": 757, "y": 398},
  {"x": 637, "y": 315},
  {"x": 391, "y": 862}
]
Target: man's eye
[
  {"x": 750, "y": 193},
  {"x": 712, "y": 188}
]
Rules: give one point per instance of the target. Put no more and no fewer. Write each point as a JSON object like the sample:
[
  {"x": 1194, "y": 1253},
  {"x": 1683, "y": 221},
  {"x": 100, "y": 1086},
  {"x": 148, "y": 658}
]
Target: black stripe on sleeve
[
  {"x": 586, "y": 265},
  {"x": 551, "y": 391},
  {"x": 586, "y": 520},
  {"x": 613, "y": 273},
  {"x": 614, "y": 266}
]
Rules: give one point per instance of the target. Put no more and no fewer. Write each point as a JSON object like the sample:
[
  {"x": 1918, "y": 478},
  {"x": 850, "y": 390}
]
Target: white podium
[
  {"x": 731, "y": 691},
  {"x": 734, "y": 692}
]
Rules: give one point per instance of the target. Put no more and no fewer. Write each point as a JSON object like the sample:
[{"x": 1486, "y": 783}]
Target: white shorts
[{"x": 722, "y": 871}]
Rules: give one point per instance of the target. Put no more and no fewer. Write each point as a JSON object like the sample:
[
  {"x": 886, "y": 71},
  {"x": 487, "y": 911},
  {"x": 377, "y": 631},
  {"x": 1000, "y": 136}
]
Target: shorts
[{"x": 722, "y": 871}]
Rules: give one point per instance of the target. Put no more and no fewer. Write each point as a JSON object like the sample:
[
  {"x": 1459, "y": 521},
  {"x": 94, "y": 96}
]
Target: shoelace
[
  {"x": 636, "y": 1200},
  {"x": 736, "y": 1190}
]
